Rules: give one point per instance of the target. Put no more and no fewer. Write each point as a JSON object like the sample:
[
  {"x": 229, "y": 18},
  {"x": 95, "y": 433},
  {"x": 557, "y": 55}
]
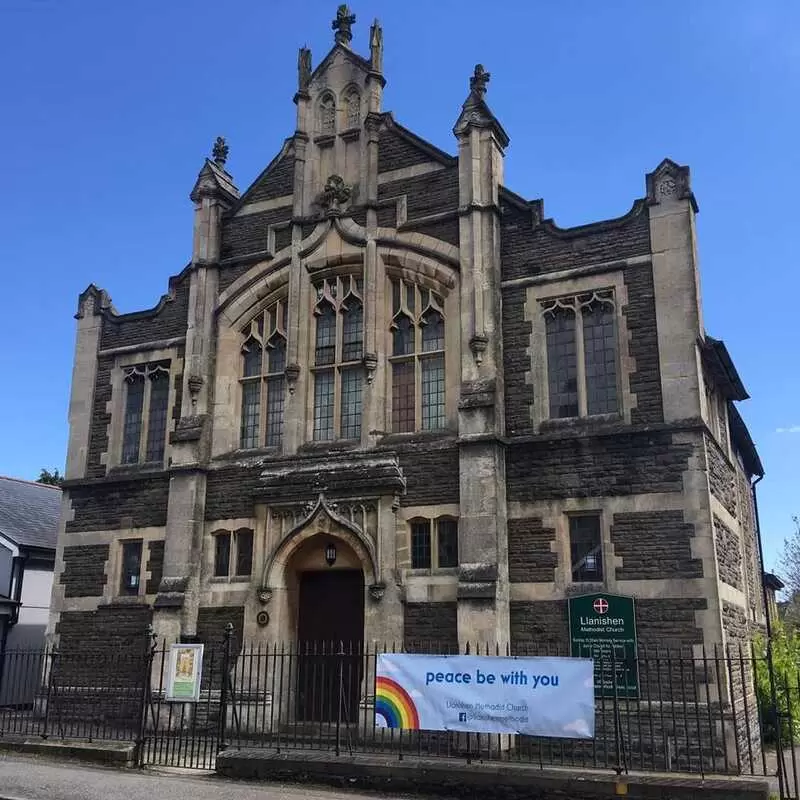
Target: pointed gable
[{"x": 277, "y": 179}]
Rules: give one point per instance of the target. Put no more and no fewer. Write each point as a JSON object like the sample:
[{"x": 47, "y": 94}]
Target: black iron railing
[{"x": 690, "y": 710}]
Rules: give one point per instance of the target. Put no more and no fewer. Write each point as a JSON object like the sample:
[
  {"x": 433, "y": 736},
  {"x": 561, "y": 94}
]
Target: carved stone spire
[
  {"x": 376, "y": 47},
  {"x": 477, "y": 83},
  {"x": 343, "y": 24},
  {"x": 219, "y": 153},
  {"x": 303, "y": 69}
]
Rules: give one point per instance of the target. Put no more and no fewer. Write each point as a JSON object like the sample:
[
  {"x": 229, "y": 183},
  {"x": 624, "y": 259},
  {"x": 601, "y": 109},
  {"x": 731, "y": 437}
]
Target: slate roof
[{"x": 29, "y": 512}]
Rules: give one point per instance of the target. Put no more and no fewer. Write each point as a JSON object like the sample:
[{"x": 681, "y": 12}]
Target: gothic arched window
[
  {"x": 263, "y": 381},
  {"x": 581, "y": 355},
  {"x": 352, "y": 102},
  {"x": 338, "y": 352},
  {"x": 146, "y": 410},
  {"x": 327, "y": 113},
  {"x": 417, "y": 358}
]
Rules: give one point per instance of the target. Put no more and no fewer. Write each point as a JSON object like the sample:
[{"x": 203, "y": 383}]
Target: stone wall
[
  {"x": 211, "y": 622},
  {"x": 539, "y": 627},
  {"x": 517, "y": 362},
  {"x": 729, "y": 554},
  {"x": 277, "y": 180},
  {"x": 534, "y": 249},
  {"x": 101, "y": 418},
  {"x": 623, "y": 464},
  {"x": 721, "y": 476},
  {"x": 166, "y": 321},
  {"x": 155, "y": 565},
  {"x": 431, "y": 628},
  {"x": 653, "y": 545},
  {"x": 395, "y": 151},
  {"x": 640, "y": 316},
  {"x": 84, "y": 572},
  {"x": 245, "y": 235},
  {"x": 530, "y": 558},
  {"x": 431, "y": 471},
  {"x": 138, "y": 501}
]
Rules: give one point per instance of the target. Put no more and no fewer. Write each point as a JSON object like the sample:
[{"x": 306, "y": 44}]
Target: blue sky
[{"x": 108, "y": 109}]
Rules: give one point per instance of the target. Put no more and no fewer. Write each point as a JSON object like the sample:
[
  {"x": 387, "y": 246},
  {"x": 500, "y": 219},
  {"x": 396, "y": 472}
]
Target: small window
[
  {"x": 434, "y": 543},
  {"x": 447, "y": 542},
  {"x": 233, "y": 553},
  {"x": 244, "y": 551},
  {"x": 421, "y": 544},
  {"x": 586, "y": 548},
  {"x": 131, "y": 568},
  {"x": 222, "y": 555}
]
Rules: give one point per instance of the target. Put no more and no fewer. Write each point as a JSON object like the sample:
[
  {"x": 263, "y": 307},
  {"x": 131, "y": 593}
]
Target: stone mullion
[
  {"x": 145, "y": 420},
  {"x": 583, "y": 404}
]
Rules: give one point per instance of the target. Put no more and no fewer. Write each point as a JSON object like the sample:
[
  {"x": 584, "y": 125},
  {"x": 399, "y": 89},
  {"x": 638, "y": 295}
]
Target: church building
[{"x": 389, "y": 400}]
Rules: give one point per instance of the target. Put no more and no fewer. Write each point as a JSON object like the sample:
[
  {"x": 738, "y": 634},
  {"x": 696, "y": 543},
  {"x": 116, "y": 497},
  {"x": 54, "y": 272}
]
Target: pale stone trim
[
  {"x": 158, "y": 344},
  {"x": 573, "y": 273},
  {"x": 431, "y": 588},
  {"x": 413, "y": 171},
  {"x": 537, "y": 377},
  {"x": 285, "y": 201}
]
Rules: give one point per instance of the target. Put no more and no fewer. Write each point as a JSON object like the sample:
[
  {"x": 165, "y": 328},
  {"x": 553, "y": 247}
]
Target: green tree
[
  {"x": 784, "y": 703},
  {"x": 54, "y": 478}
]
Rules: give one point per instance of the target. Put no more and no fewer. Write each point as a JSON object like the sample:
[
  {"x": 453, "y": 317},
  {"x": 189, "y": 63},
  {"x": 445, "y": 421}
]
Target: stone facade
[{"x": 355, "y": 211}]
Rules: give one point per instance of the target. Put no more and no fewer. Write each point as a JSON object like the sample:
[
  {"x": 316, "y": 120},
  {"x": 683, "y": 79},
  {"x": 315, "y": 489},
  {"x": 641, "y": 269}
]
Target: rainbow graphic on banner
[{"x": 394, "y": 708}]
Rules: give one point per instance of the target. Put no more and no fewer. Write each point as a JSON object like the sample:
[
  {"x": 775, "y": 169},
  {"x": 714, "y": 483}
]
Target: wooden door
[{"x": 330, "y": 634}]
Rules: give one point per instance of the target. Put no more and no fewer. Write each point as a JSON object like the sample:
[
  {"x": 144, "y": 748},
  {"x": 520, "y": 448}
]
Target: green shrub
[{"x": 784, "y": 705}]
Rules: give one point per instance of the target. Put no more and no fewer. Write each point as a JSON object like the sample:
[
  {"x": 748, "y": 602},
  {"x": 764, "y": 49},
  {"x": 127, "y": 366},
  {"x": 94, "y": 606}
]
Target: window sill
[
  {"x": 416, "y": 436},
  {"x": 128, "y": 600},
  {"x": 415, "y": 572},
  {"x": 330, "y": 444},
  {"x": 133, "y": 469},
  {"x": 232, "y": 579},
  {"x": 585, "y": 587}
]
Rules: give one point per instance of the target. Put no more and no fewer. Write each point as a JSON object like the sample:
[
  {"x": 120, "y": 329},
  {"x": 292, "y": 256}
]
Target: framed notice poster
[{"x": 184, "y": 672}]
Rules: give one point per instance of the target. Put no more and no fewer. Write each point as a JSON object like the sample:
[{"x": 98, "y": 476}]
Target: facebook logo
[{"x": 462, "y": 716}]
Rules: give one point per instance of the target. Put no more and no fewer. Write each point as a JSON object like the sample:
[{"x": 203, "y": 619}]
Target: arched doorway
[{"x": 327, "y": 588}]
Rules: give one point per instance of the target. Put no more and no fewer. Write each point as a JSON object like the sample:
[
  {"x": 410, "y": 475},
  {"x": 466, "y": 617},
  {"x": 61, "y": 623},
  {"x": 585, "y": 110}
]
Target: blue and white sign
[{"x": 486, "y": 694}]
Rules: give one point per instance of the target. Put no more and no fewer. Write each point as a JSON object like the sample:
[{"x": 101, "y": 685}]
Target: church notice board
[
  {"x": 185, "y": 673},
  {"x": 603, "y": 627}
]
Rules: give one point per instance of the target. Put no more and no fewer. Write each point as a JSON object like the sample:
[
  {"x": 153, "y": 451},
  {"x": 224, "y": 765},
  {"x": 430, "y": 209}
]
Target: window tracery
[
  {"x": 263, "y": 378},
  {"x": 338, "y": 353},
  {"x": 417, "y": 358}
]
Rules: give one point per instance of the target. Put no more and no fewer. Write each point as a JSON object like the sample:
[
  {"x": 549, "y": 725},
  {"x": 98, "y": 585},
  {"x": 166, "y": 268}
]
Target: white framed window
[
  {"x": 263, "y": 382},
  {"x": 582, "y": 359},
  {"x": 417, "y": 358},
  {"x": 146, "y": 411},
  {"x": 338, "y": 371}
]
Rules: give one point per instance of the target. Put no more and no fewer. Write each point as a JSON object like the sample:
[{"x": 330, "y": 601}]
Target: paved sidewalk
[{"x": 34, "y": 778}]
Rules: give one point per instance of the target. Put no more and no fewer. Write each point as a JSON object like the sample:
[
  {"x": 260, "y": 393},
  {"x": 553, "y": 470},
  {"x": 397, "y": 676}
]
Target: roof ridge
[{"x": 30, "y": 482}]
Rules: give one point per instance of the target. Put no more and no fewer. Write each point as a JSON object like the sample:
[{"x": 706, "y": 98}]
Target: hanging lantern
[{"x": 330, "y": 554}]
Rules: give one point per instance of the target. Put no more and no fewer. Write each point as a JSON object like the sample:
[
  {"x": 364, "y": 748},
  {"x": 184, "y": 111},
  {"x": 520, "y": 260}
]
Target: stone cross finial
[
  {"x": 303, "y": 69},
  {"x": 343, "y": 24},
  {"x": 478, "y": 81},
  {"x": 220, "y": 151}
]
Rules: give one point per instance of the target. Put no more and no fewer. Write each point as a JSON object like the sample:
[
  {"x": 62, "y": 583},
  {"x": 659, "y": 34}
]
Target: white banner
[{"x": 486, "y": 694}]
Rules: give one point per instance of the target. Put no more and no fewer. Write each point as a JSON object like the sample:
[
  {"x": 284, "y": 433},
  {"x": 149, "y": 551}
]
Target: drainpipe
[{"x": 761, "y": 555}]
